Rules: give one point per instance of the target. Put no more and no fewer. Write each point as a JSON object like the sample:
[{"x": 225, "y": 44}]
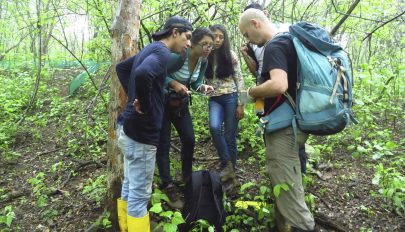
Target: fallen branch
[
  {"x": 14, "y": 195},
  {"x": 326, "y": 222},
  {"x": 81, "y": 165},
  {"x": 46, "y": 152}
]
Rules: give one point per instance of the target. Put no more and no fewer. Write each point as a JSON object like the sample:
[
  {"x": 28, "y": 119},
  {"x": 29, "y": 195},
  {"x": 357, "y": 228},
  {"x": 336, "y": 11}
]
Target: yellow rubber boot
[
  {"x": 122, "y": 209},
  {"x": 138, "y": 224}
]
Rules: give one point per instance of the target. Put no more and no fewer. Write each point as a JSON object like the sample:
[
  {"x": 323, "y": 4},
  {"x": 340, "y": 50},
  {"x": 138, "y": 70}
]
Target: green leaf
[
  {"x": 376, "y": 179},
  {"x": 81, "y": 78},
  {"x": 177, "y": 218},
  {"x": 390, "y": 145},
  {"x": 398, "y": 202},
  {"x": 168, "y": 227},
  {"x": 377, "y": 155},
  {"x": 156, "y": 208},
  {"x": 390, "y": 192},
  {"x": 285, "y": 187},
  {"x": 263, "y": 189},
  {"x": 247, "y": 186},
  {"x": 276, "y": 190},
  {"x": 167, "y": 214},
  {"x": 10, "y": 217},
  {"x": 361, "y": 149}
]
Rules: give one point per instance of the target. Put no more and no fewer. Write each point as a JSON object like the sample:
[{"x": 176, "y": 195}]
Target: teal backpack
[{"x": 324, "y": 99}]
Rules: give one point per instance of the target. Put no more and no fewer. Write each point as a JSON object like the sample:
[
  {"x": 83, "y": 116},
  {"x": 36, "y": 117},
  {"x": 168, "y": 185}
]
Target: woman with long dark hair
[
  {"x": 189, "y": 75},
  {"x": 224, "y": 74}
]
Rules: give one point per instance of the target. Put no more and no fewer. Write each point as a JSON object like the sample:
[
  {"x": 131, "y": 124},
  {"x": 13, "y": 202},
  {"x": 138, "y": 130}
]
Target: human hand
[
  {"x": 244, "y": 48},
  {"x": 137, "y": 106},
  {"x": 207, "y": 89},
  {"x": 180, "y": 88},
  {"x": 240, "y": 112}
]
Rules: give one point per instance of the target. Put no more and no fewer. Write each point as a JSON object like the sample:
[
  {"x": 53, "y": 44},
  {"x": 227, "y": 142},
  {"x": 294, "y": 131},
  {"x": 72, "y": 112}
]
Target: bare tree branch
[
  {"x": 12, "y": 47},
  {"x": 342, "y": 20},
  {"x": 81, "y": 64},
  {"x": 385, "y": 23}
]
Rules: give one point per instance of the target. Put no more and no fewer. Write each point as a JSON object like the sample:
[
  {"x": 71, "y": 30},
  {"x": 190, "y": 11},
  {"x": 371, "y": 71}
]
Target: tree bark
[{"x": 125, "y": 36}]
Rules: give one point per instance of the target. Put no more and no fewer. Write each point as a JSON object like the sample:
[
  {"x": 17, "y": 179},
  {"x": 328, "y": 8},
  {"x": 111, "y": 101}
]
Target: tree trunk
[{"x": 125, "y": 36}]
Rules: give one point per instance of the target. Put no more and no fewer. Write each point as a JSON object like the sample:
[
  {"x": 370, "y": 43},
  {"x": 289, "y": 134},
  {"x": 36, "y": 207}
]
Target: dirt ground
[
  {"x": 342, "y": 187},
  {"x": 342, "y": 191}
]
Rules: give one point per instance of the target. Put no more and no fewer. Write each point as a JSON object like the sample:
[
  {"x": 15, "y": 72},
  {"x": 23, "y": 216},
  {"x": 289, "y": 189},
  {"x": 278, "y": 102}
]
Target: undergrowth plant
[
  {"x": 7, "y": 216},
  {"x": 169, "y": 219},
  {"x": 96, "y": 189}
]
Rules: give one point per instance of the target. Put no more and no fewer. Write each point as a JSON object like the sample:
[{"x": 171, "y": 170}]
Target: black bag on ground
[{"x": 204, "y": 200}]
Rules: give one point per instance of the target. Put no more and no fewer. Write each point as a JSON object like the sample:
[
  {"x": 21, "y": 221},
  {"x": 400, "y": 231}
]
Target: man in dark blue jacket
[{"x": 142, "y": 78}]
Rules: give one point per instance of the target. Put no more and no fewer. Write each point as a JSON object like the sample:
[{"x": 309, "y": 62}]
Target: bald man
[{"x": 282, "y": 163}]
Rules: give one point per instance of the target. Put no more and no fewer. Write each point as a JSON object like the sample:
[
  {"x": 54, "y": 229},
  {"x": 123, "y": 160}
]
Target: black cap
[
  {"x": 254, "y": 6},
  {"x": 173, "y": 22}
]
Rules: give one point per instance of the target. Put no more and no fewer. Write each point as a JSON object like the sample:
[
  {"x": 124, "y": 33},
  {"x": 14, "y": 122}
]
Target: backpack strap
[
  {"x": 196, "y": 181},
  {"x": 216, "y": 187}
]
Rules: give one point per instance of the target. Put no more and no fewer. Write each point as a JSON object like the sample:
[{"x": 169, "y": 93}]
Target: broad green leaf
[
  {"x": 398, "y": 202},
  {"x": 247, "y": 186},
  {"x": 285, "y": 187},
  {"x": 377, "y": 155},
  {"x": 264, "y": 189},
  {"x": 156, "y": 208},
  {"x": 376, "y": 179},
  {"x": 276, "y": 190},
  {"x": 177, "y": 218},
  {"x": 390, "y": 192},
  {"x": 167, "y": 214},
  {"x": 168, "y": 227},
  {"x": 390, "y": 145}
]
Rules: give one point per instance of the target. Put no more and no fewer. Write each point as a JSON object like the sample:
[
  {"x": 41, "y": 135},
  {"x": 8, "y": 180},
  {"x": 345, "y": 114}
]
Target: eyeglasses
[{"x": 207, "y": 46}]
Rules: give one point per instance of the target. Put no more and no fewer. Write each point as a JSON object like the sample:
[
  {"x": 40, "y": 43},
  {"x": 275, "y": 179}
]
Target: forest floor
[{"x": 342, "y": 187}]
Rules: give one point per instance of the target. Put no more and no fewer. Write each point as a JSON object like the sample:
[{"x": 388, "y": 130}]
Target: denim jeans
[
  {"x": 139, "y": 165},
  {"x": 185, "y": 129},
  {"x": 224, "y": 125}
]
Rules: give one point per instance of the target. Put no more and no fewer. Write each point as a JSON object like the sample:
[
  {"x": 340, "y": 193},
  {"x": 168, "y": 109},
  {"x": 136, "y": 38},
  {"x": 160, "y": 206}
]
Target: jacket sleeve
[
  {"x": 152, "y": 67},
  {"x": 124, "y": 72}
]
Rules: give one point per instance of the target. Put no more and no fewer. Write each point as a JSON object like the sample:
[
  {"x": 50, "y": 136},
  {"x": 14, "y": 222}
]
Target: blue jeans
[
  {"x": 224, "y": 125},
  {"x": 139, "y": 165},
  {"x": 185, "y": 129}
]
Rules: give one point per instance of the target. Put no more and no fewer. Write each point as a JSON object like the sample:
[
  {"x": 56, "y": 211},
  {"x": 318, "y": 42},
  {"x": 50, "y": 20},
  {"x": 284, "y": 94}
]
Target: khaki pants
[{"x": 283, "y": 166}]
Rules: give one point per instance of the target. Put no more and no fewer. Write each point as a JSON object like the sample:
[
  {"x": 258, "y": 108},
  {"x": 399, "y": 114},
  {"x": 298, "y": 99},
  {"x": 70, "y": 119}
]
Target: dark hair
[
  {"x": 254, "y": 5},
  {"x": 199, "y": 33},
  {"x": 181, "y": 24},
  {"x": 223, "y": 57}
]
